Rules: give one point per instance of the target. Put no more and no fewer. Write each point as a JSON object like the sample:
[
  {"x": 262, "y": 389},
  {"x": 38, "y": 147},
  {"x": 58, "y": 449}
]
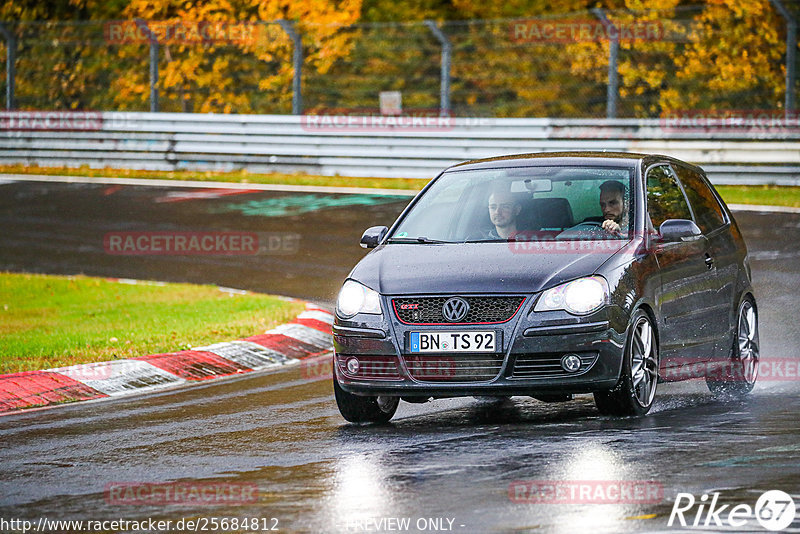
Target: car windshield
[{"x": 538, "y": 203}]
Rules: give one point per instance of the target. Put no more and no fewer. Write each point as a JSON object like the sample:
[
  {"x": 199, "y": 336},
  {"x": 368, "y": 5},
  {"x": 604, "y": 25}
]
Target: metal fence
[
  {"x": 730, "y": 151},
  {"x": 590, "y": 64}
]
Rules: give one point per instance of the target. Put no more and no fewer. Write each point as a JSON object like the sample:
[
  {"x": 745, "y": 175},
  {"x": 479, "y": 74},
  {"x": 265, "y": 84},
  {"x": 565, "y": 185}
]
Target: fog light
[
  {"x": 352, "y": 366},
  {"x": 571, "y": 363}
]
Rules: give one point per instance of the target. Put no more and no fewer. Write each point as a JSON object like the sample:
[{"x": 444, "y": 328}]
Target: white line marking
[
  {"x": 150, "y": 182},
  {"x": 767, "y": 209},
  {"x": 773, "y": 254},
  {"x": 277, "y": 187},
  {"x": 131, "y": 281}
]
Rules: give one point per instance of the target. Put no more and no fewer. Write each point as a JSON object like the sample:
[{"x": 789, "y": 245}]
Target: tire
[
  {"x": 360, "y": 409},
  {"x": 738, "y": 376},
  {"x": 636, "y": 390}
]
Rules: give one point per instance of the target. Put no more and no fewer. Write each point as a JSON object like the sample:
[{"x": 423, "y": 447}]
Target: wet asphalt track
[{"x": 451, "y": 459}]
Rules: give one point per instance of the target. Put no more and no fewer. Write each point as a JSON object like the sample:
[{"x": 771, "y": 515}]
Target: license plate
[{"x": 452, "y": 342}]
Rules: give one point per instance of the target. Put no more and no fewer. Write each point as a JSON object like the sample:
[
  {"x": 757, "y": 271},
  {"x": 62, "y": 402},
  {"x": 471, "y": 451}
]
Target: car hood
[{"x": 397, "y": 269}]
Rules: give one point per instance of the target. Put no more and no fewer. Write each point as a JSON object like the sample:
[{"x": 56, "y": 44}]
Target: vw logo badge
[{"x": 455, "y": 309}]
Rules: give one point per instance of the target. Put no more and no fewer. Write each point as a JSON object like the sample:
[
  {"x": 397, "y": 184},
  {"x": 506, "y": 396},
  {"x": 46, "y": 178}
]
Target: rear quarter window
[
  {"x": 664, "y": 197},
  {"x": 707, "y": 211}
]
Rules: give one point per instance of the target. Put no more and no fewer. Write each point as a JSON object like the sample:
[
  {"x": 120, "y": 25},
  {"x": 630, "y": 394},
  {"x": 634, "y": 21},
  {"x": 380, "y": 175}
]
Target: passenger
[{"x": 503, "y": 211}]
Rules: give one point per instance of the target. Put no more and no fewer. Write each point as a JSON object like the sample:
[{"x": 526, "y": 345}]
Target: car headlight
[
  {"x": 357, "y": 298},
  {"x": 578, "y": 297}
]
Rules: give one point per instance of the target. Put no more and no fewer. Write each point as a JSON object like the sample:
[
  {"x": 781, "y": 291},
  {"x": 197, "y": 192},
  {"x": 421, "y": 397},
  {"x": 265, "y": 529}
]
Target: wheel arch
[
  {"x": 647, "y": 308},
  {"x": 748, "y": 294}
]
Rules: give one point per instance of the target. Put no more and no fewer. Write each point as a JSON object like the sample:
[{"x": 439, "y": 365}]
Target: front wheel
[
  {"x": 636, "y": 390},
  {"x": 738, "y": 377},
  {"x": 360, "y": 409}
]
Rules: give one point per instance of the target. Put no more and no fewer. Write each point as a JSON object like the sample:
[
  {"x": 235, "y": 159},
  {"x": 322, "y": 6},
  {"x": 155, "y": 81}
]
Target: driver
[
  {"x": 503, "y": 211},
  {"x": 612, "y": 204}
]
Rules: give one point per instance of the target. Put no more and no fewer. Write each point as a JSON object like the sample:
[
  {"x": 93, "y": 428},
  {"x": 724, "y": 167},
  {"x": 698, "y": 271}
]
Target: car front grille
[
  {"x": 544, "y": 365},
  {"x": 454, "y": 367},
  {"x": 482, "y": 310}
]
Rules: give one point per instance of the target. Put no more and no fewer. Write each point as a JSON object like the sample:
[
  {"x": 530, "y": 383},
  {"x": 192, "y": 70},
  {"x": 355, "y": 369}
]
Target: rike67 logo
[{"x": 774, "y": 510}]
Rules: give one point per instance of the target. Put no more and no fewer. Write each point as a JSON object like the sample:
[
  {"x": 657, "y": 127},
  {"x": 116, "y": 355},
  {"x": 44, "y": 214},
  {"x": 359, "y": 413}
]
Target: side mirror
[
  {"x": 675, "y": 230},
  {"x": 372, "y": 236}
]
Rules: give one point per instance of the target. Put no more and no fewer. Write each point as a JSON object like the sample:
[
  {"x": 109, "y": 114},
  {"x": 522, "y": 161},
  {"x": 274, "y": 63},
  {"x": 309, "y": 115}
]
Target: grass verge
[
  {"x": 768, "y": 195},
  {"x": 53, "y": 321},
  {"x": 239, "y": 177}
]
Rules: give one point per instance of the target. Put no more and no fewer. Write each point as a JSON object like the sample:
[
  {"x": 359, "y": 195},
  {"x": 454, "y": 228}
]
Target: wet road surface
[
  {"x": 308, "y": 241},
  {"x": 449, "y": 465}
]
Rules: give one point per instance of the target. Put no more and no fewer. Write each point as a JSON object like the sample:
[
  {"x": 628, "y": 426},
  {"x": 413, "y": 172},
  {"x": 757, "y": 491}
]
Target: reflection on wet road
[{"x": 444, "y": 466}]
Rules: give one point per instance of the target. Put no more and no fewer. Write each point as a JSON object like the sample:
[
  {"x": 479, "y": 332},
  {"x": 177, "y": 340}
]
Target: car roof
[{"x": 611, "y": 159}]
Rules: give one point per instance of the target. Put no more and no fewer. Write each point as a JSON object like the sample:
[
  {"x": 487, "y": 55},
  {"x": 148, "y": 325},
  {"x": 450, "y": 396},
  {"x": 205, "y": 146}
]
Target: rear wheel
[
  {"x": 636, "y": 390},
  {"x": 738, "y": 376},
  {"x": 361, "y": 409}
]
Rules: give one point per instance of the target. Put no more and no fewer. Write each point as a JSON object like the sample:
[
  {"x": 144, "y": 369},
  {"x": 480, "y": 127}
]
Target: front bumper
[{"x": 528, "y": 364}]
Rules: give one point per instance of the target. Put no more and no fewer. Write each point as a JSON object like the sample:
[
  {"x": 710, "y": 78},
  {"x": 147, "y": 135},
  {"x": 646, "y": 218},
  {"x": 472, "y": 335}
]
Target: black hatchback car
[{"x": 549, "y": 275}]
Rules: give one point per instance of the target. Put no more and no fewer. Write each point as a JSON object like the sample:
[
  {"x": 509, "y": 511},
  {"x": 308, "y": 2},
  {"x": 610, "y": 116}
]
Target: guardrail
[{"x": 382, "y": 146}]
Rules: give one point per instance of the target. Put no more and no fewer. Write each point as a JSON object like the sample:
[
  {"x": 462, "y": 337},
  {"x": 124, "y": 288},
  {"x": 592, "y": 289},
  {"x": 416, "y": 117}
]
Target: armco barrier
[{"x": 379, "y": 146}]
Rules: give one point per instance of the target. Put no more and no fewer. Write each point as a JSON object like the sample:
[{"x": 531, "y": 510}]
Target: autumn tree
[
  {"x": 733, "y": 61},
  {"x": 61, "y": 62},
  {"x": 724, "y": 54},
  {"x": 721, "y": 54},
  {"x": 245, "y": 76},
  {"x": 492, "y": 73}
]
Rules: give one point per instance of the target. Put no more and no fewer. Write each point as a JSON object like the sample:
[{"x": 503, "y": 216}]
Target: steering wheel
[{"x": 592, "y": 229}]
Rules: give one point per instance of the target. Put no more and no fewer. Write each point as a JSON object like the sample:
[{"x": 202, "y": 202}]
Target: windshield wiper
[{"x": 420, "y": 239}]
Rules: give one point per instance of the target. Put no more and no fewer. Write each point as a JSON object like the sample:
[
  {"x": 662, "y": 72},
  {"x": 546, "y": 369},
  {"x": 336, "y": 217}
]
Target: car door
[
  {"x": 686, "y": 280},
  {"x": 722, "y": 250}
]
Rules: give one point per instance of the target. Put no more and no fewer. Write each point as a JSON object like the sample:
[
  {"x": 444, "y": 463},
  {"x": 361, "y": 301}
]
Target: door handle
[{"x": 709, "y": 261}]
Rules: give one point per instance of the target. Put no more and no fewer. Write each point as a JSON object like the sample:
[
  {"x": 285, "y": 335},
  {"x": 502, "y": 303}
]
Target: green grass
[
  {"x": 53, "y": 321},
  {"x": 770, "y": 195}
]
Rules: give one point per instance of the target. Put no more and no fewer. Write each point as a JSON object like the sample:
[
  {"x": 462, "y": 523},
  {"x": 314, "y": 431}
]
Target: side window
[
  {"x": 665, "y": 199},
  {"x": 707, "y": 210}
]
